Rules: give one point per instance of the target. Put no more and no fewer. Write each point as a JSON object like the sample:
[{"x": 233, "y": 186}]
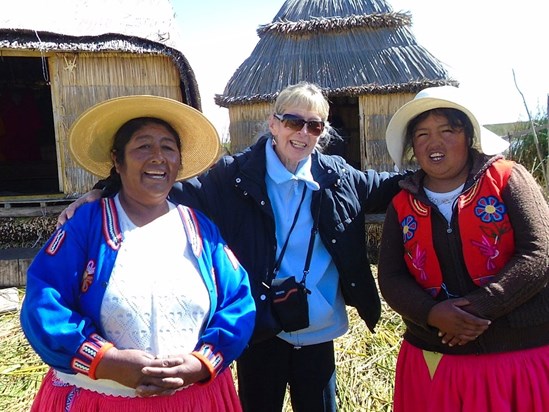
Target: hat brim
[
  {"x": 91, "y": 135},
  {"x": 395, "y": 135}
]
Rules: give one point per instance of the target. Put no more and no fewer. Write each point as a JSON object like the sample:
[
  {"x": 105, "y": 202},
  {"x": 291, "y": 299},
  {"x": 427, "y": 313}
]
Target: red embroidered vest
[{"x": 486, "y": 234}]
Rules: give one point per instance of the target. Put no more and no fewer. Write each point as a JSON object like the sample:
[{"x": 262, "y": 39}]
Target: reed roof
[
  {"x": 132, "y": 26},
  {"x": 347, "y": 47}
]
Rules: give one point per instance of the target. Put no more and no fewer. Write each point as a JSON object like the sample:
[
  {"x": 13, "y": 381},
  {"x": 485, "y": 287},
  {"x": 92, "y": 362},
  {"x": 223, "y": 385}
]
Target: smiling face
[
  {"x": 149, "y": 165},
  {"x": 293, "y": 146},
  {"x": 442, "y": 151}
]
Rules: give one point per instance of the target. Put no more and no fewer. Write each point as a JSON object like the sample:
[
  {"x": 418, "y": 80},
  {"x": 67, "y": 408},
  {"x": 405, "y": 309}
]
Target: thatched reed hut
[
  {"x": 55, "y": 62},
  {"x": 360, "y": 52}
]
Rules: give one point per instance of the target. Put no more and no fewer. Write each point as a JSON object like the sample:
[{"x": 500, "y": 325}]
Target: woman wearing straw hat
[
  {"x": 136, "y": 296},
  {"x": 464, "y": 259},
  {"x": 288, "y": 211}
]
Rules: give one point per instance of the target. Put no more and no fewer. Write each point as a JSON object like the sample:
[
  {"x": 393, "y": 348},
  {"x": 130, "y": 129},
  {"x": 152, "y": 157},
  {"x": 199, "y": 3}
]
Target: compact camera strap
[{"x": 314, "y": 231}]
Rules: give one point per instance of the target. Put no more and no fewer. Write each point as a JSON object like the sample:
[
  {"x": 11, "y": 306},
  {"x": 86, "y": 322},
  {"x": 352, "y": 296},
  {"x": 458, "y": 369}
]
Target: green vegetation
[{"x": 531, "y": 154}]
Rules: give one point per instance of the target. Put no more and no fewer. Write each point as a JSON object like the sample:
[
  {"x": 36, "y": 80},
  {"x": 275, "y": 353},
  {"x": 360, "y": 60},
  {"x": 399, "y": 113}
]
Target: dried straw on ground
[{"x": 21, "y": 370}]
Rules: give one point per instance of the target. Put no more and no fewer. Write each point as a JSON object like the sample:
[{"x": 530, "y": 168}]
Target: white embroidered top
[{"x": 444, "y": 201}]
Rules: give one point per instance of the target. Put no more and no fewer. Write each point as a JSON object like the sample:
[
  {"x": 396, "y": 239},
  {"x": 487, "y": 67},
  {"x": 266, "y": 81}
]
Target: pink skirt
[
  {"x": 219, "y": 395},
  {"x": 503, "y": 382}
]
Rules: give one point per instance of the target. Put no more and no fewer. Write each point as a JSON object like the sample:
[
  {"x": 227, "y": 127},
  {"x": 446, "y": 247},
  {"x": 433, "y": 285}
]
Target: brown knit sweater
[{"x": 517, "y": 302}]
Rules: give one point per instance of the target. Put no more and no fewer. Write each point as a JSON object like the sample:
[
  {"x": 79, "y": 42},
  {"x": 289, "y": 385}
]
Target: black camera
[{"x": 289, "y": 303}]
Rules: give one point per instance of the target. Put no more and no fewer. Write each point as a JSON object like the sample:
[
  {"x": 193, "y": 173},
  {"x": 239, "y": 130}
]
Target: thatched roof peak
[
  {"x": 347, "y": 47},
  {"x": 294, "y": 10},
  {"x": 325, "y": 15},
  {"x": 317, "y": 24}
]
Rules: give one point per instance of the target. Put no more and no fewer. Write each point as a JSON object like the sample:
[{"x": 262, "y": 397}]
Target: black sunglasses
[{"x": 296, "y": 123}]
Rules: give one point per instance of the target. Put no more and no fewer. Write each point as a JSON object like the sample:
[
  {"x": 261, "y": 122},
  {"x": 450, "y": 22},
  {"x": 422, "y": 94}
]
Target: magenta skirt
[
  {"x": 503, "y": 382},
  {"x": 219, "y": 395}
]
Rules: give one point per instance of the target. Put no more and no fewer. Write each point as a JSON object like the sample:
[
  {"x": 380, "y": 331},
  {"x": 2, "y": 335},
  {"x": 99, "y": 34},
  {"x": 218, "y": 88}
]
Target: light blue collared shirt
[{"x": 327, "y": 313}]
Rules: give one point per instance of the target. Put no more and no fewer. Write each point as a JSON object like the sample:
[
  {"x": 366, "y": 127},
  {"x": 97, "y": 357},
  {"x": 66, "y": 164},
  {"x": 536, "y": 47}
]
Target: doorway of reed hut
[
  {"x": 344, "y": 118},
  {"x": 28, "y": 160}
]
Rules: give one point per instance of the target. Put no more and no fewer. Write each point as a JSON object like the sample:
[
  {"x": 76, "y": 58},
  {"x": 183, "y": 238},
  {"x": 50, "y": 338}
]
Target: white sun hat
[{"x": 437, "y": 98}]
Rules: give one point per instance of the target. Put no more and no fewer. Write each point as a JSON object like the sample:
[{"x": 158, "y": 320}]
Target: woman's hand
[
  {"x": 456, "y": 326},
  {"x": 126, "y": 366},
  {"x": 68, "y": 212},
  {"x": 183, "y": 370}
]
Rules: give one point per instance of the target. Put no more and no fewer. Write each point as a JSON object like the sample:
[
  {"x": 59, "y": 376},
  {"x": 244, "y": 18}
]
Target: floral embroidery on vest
[
  {"x": 491, "y": 210},
  {"x": 485, "y": 230}
]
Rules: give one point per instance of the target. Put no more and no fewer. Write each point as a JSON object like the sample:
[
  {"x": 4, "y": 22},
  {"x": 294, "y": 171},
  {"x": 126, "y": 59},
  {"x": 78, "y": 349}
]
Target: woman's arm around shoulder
[
  {"x": 205, "y": 192},
  {"x": 375, "y": 189}
]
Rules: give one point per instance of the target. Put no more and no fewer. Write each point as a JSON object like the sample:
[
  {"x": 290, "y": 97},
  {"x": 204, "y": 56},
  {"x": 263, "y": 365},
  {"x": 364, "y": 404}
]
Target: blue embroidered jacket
[{"x": 60, "y": 315}]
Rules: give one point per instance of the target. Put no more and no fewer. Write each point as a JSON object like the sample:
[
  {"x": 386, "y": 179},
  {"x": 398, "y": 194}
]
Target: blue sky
[{"x": 479, "y": 41}]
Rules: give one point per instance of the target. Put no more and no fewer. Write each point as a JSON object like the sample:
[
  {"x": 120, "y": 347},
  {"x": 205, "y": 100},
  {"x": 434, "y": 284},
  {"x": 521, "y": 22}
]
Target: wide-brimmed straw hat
[
  {"x": 436, "y": 98},
  {"x": 91, "y": 136}
]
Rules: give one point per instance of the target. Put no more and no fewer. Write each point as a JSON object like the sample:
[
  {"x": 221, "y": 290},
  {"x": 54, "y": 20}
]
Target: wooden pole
[{"x": 536, "y": 140}]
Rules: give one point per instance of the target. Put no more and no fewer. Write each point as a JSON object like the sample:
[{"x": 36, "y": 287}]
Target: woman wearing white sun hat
[
  {"x": 136, "y": 296},
  {"x": 433, "y": 98},
  {"x": 464, "y": 259}
]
